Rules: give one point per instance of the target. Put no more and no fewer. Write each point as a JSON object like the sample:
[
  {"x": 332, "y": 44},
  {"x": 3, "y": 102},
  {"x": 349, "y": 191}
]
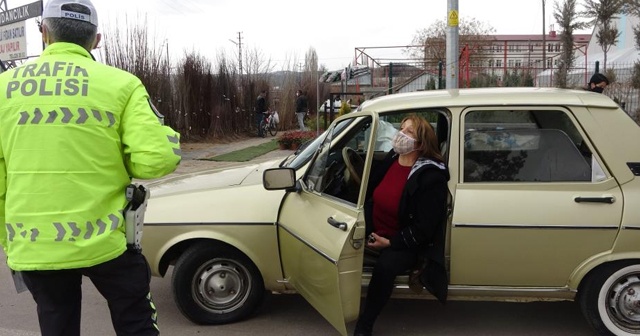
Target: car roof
[{"x": 488, "y": 97}]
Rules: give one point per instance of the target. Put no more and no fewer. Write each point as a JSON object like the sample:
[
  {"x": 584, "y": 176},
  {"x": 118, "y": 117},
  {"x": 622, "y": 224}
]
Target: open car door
[{"x": 321, "y": 228}]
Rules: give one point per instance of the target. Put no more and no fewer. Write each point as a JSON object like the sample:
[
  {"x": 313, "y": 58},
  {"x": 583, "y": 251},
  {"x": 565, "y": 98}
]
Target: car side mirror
[{"x": 279, "y": 178}]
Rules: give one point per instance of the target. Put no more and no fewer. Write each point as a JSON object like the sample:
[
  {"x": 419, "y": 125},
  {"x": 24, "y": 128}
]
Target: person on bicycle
[
  {"x": 268, "y": 124},
  {"x": 261, "y": 109}
]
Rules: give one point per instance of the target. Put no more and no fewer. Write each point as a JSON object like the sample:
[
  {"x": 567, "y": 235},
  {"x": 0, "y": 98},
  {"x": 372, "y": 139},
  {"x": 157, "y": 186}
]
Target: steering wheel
[{"x": 354, "y": 163}]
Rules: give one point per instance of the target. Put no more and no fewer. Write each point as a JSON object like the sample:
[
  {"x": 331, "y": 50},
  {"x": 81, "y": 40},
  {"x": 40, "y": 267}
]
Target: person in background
[
  {"x": 261, "y": 109},
  {"x": 68, "y": 151},
  {"x": 301, "y": 108},
  {"x": 598, "y": 83},
  {"x": 406, "y": 211}
]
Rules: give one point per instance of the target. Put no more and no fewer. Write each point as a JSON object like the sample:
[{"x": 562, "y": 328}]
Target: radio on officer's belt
[{"x": 137, "y": 195}]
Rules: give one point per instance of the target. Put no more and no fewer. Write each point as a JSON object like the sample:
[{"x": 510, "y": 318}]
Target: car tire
[
  {"x": 216, "y": 284},
  {"x": 610, "y": 299}
]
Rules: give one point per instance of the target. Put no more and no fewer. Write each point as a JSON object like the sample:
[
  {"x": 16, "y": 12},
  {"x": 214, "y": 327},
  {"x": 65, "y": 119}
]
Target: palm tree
[
  {"x": 566, "y": 16},
  {"x": 602, "y": 13}
]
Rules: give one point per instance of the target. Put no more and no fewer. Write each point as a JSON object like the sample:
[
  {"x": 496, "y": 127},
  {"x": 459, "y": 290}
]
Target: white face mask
[{"x": 403, "y": 144}]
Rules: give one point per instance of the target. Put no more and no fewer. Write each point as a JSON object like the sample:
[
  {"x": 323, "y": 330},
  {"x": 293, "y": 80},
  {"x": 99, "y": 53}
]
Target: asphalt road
[{"x": 290, "y": 315}]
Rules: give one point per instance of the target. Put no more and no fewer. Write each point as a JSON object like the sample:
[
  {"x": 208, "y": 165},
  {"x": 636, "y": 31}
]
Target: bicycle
[{"x": 269, "y": 124}]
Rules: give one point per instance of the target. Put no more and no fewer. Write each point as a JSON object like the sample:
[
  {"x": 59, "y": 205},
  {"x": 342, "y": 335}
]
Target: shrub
[
  {"x": 293, "y": 139},
  {"x": 345, "y": 108},
  {"x": 312, "y": 122}
]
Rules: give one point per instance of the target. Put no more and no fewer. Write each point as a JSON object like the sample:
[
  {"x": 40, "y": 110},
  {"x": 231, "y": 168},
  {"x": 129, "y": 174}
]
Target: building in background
[
  {"x": 490, "y": 61},
  {"x": 524, "y": 54}
]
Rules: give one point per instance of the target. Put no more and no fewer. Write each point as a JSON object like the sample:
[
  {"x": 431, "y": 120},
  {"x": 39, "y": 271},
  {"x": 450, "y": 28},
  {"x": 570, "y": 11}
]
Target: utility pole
[
  {"x": 544, "y": 40},
  {"x": 239, "y": 79},
  {"x": 452, "y": 44},
  {"x": 239, "y": 44},
  {"x": 240, "y": 52}
]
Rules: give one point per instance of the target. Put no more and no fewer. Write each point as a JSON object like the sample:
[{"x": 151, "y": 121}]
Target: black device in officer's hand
[{"x": 137, "y": 196}]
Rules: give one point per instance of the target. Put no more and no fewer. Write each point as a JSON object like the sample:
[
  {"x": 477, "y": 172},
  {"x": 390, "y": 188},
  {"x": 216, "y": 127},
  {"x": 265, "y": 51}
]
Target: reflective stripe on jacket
[{"x": 73, "y": 132}]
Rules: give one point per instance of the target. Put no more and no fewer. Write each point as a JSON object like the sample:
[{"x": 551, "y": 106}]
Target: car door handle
[
  {"x": 603, "y": 199},
  {"x": 339, "y": 225}
]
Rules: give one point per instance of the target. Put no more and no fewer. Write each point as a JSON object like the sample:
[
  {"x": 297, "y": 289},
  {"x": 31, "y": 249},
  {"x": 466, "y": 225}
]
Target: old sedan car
[{"x": 544, "y": 201}]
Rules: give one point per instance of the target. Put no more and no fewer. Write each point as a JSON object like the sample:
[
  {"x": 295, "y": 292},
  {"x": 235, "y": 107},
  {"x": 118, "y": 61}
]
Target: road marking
[{"x": 14, "y": 332}]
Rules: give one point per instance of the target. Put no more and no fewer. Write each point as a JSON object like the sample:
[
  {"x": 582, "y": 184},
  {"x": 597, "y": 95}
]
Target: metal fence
[
  {"x": 412, "y": 76},
  {"x": 620, "y": 75}
]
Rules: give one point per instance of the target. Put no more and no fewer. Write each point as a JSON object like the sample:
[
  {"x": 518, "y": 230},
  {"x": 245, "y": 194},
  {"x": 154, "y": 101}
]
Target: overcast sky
[{"x": 284, "y": 30}]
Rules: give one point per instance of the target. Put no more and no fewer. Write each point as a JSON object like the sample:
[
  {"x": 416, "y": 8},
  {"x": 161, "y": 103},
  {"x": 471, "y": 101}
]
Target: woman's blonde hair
[{"x": 426, "y": 139}]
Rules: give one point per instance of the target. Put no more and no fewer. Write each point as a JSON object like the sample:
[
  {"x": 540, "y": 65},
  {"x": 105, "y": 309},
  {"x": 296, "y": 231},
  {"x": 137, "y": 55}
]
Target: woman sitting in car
[{"x": 406, "y": 213}]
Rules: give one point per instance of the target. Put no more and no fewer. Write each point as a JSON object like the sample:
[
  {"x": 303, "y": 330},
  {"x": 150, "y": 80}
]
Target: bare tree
[
  {"x": 311, "y": 85},
  {"x": 200, "y": 99},
  {"x": 194, "y": 82},
  {"x": 567, "y": 17},
  {"x": 290, "y": 80},
  {"x": 256, "y": 63},
  {"x": 473, "y": 33},
  {"x": 602, "y": 13},
  {"x": 129, "y": 47},
  {"x": 257, "y": 68}
]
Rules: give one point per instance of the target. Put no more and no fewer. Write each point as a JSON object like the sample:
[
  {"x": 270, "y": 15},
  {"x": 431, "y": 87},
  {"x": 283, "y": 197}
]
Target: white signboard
[{"x": 13, "y": 41}]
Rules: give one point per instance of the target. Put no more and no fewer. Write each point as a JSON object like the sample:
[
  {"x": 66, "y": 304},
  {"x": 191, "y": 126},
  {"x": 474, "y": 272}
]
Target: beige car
[{"x": 545, "y": 205}]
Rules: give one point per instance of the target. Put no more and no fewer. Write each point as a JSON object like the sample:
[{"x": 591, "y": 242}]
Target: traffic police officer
[{"x": 73, "y": 133}]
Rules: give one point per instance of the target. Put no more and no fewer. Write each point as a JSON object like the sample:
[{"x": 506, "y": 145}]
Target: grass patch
[{"x": 246, "y": 154}]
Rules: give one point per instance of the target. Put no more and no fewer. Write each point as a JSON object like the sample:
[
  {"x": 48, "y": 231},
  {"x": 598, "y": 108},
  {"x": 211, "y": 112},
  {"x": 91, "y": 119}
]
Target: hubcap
[
  {"x": 624, "y": 302},
  {"x": 221, "y": 286}
]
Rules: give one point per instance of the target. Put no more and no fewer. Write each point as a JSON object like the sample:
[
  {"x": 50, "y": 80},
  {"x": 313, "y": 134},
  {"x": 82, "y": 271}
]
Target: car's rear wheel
[
  {"x": 610, "y": 299},
  {"x": 216, "y": 284}
]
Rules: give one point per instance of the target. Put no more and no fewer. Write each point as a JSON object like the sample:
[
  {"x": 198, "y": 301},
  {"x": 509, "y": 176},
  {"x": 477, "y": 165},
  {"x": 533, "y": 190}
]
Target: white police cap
[{"x": 53, "y": 9}]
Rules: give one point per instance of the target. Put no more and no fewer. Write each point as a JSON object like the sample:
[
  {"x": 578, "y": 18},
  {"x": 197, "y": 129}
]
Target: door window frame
[{"x": 340, "y": 138}]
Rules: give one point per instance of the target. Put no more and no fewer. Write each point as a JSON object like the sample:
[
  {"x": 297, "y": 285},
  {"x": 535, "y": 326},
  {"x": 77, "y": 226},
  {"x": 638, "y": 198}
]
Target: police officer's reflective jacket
[{"x": 73, "y": 132}]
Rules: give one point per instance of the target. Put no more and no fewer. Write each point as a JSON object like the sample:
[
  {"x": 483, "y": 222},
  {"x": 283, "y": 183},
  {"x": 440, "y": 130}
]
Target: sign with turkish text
[
  {"x": 21, "y": 13},
  {"x": 13, "y": 41}
]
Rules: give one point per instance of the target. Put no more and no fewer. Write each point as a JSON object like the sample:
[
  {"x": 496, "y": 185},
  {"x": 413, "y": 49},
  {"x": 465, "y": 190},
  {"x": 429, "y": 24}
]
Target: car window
[
  {"x": 301, "y": 158},
  {"x": 525, "y": 146},
  {"x": 389, "y": 124},
  {"x": 328, "y": 173}
]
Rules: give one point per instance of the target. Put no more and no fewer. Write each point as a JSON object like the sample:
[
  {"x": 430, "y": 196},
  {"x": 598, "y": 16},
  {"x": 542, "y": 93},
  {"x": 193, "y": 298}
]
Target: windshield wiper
[{"x": 286, "y": 159}]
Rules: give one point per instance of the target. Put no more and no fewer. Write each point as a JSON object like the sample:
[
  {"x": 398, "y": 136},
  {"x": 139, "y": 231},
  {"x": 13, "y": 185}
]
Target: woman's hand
[{"x": 377, "y": 242}]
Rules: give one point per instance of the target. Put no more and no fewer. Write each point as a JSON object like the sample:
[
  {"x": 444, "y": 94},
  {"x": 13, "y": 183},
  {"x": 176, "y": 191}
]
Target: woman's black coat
[{"x": 422, "y": 217}]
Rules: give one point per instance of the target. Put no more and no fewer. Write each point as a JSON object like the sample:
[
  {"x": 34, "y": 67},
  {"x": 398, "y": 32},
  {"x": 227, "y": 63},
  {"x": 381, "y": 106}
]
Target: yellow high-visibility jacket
[{"x": 73, "y": 133}]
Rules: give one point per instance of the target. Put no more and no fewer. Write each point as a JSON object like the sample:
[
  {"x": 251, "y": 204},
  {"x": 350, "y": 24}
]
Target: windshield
[{"x": 303, "y": 156}]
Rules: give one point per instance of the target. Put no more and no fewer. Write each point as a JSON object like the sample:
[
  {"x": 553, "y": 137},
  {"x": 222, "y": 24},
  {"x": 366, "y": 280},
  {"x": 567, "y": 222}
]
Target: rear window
[{"x": 524, "y": 146}]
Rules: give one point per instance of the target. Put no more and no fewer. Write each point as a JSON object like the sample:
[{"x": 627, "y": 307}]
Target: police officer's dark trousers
[{"x": 124, "y": 283}]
